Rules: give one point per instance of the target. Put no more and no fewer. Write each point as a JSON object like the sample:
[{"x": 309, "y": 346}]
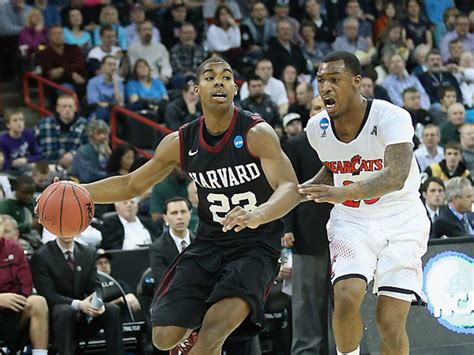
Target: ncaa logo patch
[
  {"x": 324, "y": 124},
  {"x": 238, "y": 141}
]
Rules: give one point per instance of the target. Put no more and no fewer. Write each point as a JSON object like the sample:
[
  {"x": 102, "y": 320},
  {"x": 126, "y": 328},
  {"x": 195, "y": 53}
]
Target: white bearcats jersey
[{"x": 384, "y": 124}]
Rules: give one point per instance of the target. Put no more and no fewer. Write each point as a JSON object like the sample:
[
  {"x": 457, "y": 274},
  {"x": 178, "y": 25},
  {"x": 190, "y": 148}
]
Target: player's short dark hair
[
  {"x": 212, "y": 60},
  {"x": 444, "y": 89},
  {"x": 105, "y": 28},
  {"x": 453, "y": 145},
  {"x": 410, "y": 90},
  {"x": 351, "y": 62},
  {"x": 175, "y": 199},
  {"x": 437, "y": 180}
]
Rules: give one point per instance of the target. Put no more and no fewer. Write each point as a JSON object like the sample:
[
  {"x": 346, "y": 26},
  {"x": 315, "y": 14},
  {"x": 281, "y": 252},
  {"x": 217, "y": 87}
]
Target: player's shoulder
[
  {"x": 318, "y": 121},
  {"x": 382, "y": 110}
]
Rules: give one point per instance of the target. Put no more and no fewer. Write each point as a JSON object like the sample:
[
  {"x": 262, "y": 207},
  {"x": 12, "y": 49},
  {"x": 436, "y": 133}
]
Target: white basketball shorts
[{"x": 388, "y": 250}]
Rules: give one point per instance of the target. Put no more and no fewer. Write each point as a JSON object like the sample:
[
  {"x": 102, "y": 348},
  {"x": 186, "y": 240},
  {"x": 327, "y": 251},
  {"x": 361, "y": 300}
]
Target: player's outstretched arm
[
  {"x": 397, "y": 163},
  {"x": 323, "y": 177},
  {"x": 263, "y": 143},
  {"x": 125, "y": 187}
]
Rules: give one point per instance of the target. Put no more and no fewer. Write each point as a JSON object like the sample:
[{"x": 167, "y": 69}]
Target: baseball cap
[
  {"x": 289, "y": 117},
  {"x": 101, "y": 253},
  {"x": 282, "y": 3}
]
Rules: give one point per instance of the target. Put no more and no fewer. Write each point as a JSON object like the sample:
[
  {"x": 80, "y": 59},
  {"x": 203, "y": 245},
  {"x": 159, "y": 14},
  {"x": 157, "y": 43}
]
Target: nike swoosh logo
[{"x": 191, "y": 153}]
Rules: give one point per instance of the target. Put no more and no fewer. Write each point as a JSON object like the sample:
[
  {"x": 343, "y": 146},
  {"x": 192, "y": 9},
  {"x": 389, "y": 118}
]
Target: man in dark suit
[
  {"x": 172, "y": 242},
  {"x": 306, "y": 226},
  {"x": 456, "y": 220},
  {"x": 64, "y": 273},
  {"x": 432, "y": 192},
  {"x": 126, "y": 230}
]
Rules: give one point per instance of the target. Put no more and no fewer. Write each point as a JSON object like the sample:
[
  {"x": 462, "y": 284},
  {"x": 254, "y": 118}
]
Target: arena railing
[
  {"x": 41, "y": 83},
  {"x": 115, "y": 140}
]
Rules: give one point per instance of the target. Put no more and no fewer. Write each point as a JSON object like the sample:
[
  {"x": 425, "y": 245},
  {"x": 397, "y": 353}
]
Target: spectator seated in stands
[
  {"x": 416, "y": 26},
  {"x": 420, "y": 53},
  {"x": 106, "y": 48},
  {"x": 281, "y": 51},
  {"x": 64, "y": 273},
  {"x": 461, "y": 33},
  {"x": 350, "y": 41},
  {"x": 102, "y": 262},
  {"x": 105, "y": 90},
  {"x": 451, "y": 166},
  {"x": 465, "y": 75},
  {"x": 432, "y": 192},
  {"x": 450, "y": 128},
  {"x": 185, "y": 56},
  {"x": 137, "y": 16},
  {"x": 20, "y": 311},
  {"x": 60, "y": 135},
  {"x": 175, "y": 185},
  {"x": 33, "y": 37},
  {"x": 313, "y": 50},
  {"x": 49, "y": 11},
  {"x": 62, "y": 63},
  {"x": 370, "y": 90},
  {"x": 443, "y": 22},
  {"x": 419, "y": 116},
  {"x": 9, "y": 226},
  {"x": 312, "y": 12},
  {"x": 172, "y": 242},
  {"x": 18, "y": 144},
  {"x": 126, "y": 230},
  {"x": 399, "y": 79},
  {"x": 155, "y": 54},
  {"x": 12, "y": 19},
  {"x": 436, "y": 77},
  {"x": 429, "y": 152},
  {"x": 281, "y": 11},
  {"x": 467, "y": 144},
  {"x": 447, "y": 96},
  {"x": 354, "y": 11},
  {"x": 5, "y": 186},
  {"x": 302, "y": 105},
  {"x": 455, "y": 220},
  {"x": 260, "y": 103},
  {"x": 392, "y": 41},
  {"x": 183, "y": 109},
  {"x": 145, "y": 92},
  {"x": 21, "y": 209},
  {"x": 223, "y": 36},
  {"x": 91, "y": 159},
  {"x": 289, "y": 77},
  {"x": 388, "y": 15},
  {"x": 271, "y": 86},
  {"x": 121, "y": 160},
  {"x": 109, "y": 17},
  {"x": 74, "y": 32},
  {"x": 90, "y": 14},
  {"x": 42, "y": 176},
  {"x": 455, "y": 50},
  {"x": 256, "y": 31},
  {"x": 292, "y": 125}
]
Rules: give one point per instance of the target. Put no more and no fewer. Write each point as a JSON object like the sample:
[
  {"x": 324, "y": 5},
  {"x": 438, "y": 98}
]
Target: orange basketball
[{"x": 65, "y": 209}]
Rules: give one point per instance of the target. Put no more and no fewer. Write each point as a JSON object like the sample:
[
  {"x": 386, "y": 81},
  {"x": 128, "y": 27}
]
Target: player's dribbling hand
[
  {"x": 238, "y": 219},
  {"x": 56, "y": 179},
  {"x": 323, "y": 193}
]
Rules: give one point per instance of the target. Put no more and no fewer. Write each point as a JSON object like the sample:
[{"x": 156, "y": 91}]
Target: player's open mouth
[
  {"x": 220, "y": 96},
  {"x": 329, "y": 103}
]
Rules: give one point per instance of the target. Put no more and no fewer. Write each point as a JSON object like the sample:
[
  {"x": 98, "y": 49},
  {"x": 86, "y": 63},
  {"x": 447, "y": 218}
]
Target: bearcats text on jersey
[{"x": 354, "y": 166}]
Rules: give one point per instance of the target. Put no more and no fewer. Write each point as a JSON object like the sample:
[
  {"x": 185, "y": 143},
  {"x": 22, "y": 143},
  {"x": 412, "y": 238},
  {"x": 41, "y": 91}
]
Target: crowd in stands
[{"x": 143, "y": 56}]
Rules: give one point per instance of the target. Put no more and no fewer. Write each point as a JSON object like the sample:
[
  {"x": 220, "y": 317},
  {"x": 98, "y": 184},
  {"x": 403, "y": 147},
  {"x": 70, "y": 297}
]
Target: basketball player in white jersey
[{"x": 378, "y": 228}]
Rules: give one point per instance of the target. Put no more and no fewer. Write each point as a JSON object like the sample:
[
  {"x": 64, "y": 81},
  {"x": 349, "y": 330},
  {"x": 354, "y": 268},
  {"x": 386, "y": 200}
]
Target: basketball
[{"x": 65, "y": 209}]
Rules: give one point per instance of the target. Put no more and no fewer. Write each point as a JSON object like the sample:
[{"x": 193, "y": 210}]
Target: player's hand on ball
[
  {"x": 238, "y": 219},
  {"x": 323, "y": 193}
]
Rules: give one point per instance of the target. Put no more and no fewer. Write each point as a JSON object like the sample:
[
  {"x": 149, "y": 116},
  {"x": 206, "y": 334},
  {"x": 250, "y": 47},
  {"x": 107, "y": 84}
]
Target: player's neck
[
  {"x": 350, "y": 123},
  {"x": 217, "y": 121}
]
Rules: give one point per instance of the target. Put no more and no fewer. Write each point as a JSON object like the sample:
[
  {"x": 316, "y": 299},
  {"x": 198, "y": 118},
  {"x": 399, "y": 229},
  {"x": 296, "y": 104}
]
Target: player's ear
[
  {"x": 196, "y": 90},
  {"x": 236, "y": 90},
  {"x": 356, "y": 80}
]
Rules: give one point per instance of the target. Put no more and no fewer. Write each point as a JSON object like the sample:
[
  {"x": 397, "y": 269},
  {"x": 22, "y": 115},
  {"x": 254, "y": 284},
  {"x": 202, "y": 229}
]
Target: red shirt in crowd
[{"x": 15, "y": 274}]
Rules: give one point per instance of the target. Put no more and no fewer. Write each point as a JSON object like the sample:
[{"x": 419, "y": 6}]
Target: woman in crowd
[
  {"x": 109, "y": 16},
  {"x": 144, "y": 89},
  {"x": 33, "y": 35},
  {"x": 449, "y": 17},
  {"x": 289, "y": 76},
  {"x": 74, "y": 31},
  {"x": 392, "y": 40},
  {"x": 121, "y": 160},
  {"x": 223, "y": 36},
  {"x": 389, "y": 15}
]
